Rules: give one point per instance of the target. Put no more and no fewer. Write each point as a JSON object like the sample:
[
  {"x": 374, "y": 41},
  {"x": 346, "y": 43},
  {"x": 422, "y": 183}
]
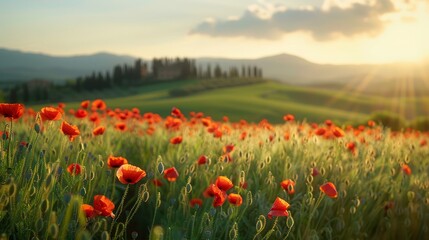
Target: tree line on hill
[{"x": 137, "y": 74}]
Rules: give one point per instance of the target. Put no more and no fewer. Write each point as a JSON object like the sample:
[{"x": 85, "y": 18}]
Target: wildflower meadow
[{"x": 101, "y": 173}]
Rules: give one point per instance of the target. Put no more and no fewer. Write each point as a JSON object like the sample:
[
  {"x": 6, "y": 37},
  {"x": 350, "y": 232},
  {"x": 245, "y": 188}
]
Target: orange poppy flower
[
  {"x": 121, "y": 126},
  {"x": 129, "y": 174},
  {"x": 88, "y": 210},
  {"x": 406, "y": 169},
  {"x": 202, "y": 160},
  {"x": 279, "y": 208},
  {"x": 71, "y": 131},
  {"x": 74, "y": 169},
  {"x": 84, "y": 104},
  {"x": 224, "y": 183},
  {"x": 115, "y": 162},
  {"x": 171, "y": 174},
  {"x": 81, "y": 113},
  {"x": 176, "y": 140},
  {"x": 289, "y": 186},
  {"x": 103, "y": 206},
  {"x": 50, "y": 113},
  {"x": 98, "y": 131},
  {"x": 11, "y": 110},
  {"x": 329, "y": 189},
  {"x": 98, "y": 104},
  {"x": 371, "y": 123},
  {"x": 196, "y": 201},
  {"x": 235, "y": 199}
]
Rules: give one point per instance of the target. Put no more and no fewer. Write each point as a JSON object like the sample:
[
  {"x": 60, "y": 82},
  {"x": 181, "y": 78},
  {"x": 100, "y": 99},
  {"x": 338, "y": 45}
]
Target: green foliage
[
  {"x": 389, "y": 119},
  {"x": 421, "y": 124},
  {"x": 213, "y": 84},
  {"x": 41, "y": 199}
]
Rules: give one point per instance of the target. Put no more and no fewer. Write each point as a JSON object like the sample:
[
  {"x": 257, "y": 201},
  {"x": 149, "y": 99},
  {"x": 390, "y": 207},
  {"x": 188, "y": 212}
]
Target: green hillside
[{"x": 270, "y": 100}]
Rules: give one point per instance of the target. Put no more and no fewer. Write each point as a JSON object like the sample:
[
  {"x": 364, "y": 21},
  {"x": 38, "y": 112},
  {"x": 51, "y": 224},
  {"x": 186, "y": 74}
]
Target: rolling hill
[{"x": 270, "y": 100}]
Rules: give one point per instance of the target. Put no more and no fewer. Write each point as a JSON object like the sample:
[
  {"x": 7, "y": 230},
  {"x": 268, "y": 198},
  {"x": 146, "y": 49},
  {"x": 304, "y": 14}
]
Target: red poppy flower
[
  {"x": 228, "y": 148},
  {"x": 329, "y": 189},
  {"x": 243, "y": 185},
  {"x": 288, "y": 118},
  {"x": 314, "y": 172},
  {"x": 121, "y": 126},
  {"x": 202, "y": 160},
  {"x": 289, "y": 186},
  {"x": 103, "y": 206},
  {"x": 224, "y": 183},
  {"x": 88, "y": 210},
  {"x": 74, "y": 169},
  {"x": 84, "y": 104},
  {"x": 371, "y": 123},
  {"x": 279, "y": 208},
  {"x": 98, "y": 131},
  {"x": 320, "y": 131},
  {"x": 11, "y": 110},
  {"x": 71, "y": 131},
  {"x": 61, "y": 105},
  {"x": 115, "y": 162},
  {"x": 211, "y": 191},
  {"x": 50, "y": 113},
  {"x": 328, "y": 123},
  {"x": 406, "y": 169},
  {"x": 235, "y": 199},
  {"x": 219, "y": 199},
  {"x": 98, "y": 104},
  {"x": 196, "y": 201},
  {"x": 129, "y": 174},
  {"x": 157, "y": 182},
  {"x": 171, "y": 174},
  {"x": 176, "y": 140},
  {"x": 243, "y": 135},
  {"x": 175, "y": 112},
  {"x": 338, "y": 132},
  {"x": 81, "y": 113}
]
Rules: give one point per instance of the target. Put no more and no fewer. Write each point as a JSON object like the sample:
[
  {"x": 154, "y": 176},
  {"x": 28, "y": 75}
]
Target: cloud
[{"x": 333, "y": 19}]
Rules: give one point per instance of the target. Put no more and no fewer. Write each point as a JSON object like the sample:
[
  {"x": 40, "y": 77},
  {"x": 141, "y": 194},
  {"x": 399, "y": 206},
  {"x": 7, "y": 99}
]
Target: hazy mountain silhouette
[{"x": 17, "y": 65}]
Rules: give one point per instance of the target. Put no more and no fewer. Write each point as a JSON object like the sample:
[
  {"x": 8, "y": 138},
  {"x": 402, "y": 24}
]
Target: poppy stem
[
  {"x": 319, "y": 200},
  {"x": 121, "y": 205},
  {"x": 9, "y": 161}
]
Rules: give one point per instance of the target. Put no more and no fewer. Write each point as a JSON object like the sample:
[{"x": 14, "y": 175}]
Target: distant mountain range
[{"x": 18, "y": 66}]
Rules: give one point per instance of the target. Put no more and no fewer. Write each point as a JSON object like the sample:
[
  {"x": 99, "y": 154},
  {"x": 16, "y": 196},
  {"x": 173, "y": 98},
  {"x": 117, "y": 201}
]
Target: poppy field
[{"x": 99, "y": 173}]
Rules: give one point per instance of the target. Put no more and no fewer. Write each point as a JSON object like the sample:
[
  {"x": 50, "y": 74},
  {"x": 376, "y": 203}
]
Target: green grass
[
  {"x": 270, "y": 100},
  {"x": 41, "y": 200}
]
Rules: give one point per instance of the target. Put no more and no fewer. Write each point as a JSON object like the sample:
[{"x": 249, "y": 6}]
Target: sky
[{"x": 321, "y": 31}]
